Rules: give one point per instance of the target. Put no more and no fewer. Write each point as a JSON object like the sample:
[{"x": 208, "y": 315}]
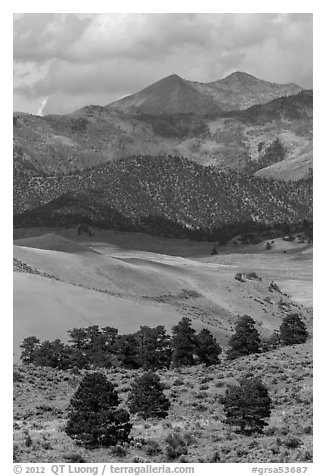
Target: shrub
[
  {"x": 247, "y": 405},
  {"x": 94, "y": 419},
  {"x": 292, "y": 442},
  {"x": 28, "y": 439},
  {"x": 147, "y": 398},
  {"x": 118, "y": 451},
  {"x": 253, "y": 275},
  {"x": 17, "y": 376},
  {"x": 153, "y": 448},
  {"x": 175, "y": 446},
  {"x": 74, "y": 458},
  {"x": 274, "y": 287}
]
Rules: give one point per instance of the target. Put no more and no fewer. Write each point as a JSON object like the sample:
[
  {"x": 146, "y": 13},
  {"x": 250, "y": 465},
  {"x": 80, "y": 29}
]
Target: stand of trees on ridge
[
  {"x": 151, "y": 348},
  {"x": 95, "y": 418}
]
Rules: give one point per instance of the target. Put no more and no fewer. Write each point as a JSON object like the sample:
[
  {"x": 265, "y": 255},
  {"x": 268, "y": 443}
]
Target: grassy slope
[{"x": 41, "y": 398}]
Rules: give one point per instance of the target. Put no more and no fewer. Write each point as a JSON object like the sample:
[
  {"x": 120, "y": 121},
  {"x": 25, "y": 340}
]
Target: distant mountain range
[
  {"x": 176, "y": 117},
  {"x": 175, "y": 95},
  {"x": 120, "y": 164}
]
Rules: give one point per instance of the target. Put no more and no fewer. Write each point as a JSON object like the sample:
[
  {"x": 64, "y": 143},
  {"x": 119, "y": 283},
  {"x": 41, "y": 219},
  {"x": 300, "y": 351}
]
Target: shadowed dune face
[{"x": 51, "y": 241}]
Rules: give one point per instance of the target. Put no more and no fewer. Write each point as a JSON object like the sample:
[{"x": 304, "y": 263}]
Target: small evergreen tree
[
  {"x": 247, "y": 405},
  {"x": 154, "y": 348},
  {"x": 208, "y": 350},
  {"x": 94, "y": 419},
  {"x": 184, "y": 343},
  {"x": 29, "y": 346},
  {"x": 293, "y": 330},
  {"x": 214, "y": 251},
  {"x": 147, "y": 398},
  {"x": 53, "y": 354},
  {"x": 245, "y": 340},
  {"x": 127, "y": 351}
]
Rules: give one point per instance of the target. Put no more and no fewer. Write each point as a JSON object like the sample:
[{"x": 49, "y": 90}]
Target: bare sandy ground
[
  {"x": 48, "y": 308},
  {"x": 98, "y": 282},
  {"x": 52, "y": 241}
]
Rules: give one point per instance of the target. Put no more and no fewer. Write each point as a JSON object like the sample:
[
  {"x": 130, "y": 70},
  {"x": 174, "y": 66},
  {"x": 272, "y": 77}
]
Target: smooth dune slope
[
  {"x": 134, "y": 288},
  {"x": 52, "y": 241},
  {"x": 47, "y": 309}
]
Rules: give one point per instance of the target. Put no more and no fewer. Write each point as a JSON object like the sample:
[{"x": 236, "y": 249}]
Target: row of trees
[
  {"x": 149, "y": 348},
  {"x": 246, "y": 339},
  {"x": 95, "y": 418},
  {"x": 152, "y": 348}
]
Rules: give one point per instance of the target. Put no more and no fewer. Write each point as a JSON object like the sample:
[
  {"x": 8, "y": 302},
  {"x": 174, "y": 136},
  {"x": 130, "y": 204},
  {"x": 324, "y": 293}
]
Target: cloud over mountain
[{"x": 75, "y": 59}]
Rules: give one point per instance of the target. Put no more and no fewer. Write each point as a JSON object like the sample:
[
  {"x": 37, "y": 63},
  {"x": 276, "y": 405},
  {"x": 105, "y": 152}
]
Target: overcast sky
[{"x": 65, "y": 61}]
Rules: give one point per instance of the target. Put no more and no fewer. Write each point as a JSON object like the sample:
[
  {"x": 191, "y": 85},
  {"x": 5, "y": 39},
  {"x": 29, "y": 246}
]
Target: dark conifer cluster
[
  {"x": 150, "y": 348},
  {"x": 246, "y": 339}
]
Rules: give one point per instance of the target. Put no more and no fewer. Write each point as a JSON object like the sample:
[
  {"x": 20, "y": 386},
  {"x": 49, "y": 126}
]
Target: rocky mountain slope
[
  {"x": 168, "y": 126},
  {"x": 170, "y": 158},
  {"x": 171, "y": 95},
  {"x": 174, "y": 95}
]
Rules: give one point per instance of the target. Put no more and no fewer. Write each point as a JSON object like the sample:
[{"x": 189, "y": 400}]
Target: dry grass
[{"x": 194, "y": 430}]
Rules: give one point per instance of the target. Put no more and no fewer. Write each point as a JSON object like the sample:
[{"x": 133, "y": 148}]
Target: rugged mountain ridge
[
  {"x": 95, "y": 135},
  {"x": 175, "y": 95},
  {"x": 129, "y": 167}
]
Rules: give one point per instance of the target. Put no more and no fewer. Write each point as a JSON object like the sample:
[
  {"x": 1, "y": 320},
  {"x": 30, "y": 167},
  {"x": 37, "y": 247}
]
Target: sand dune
[
  {"x": 126, "y": 288},
  {"x": 48, "y": 308},
  {"x": 51, "y": 241}
]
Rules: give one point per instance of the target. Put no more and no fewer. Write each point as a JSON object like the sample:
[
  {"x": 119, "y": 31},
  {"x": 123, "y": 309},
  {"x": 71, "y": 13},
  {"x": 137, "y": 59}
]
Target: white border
[{"x": 319, "y": 185}]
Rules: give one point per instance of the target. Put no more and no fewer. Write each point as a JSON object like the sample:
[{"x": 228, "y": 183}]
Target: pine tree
[
  {"x": 247, "y": 405},
  {"x": 245, "y": 340},
  {"x": 29, "y": 346},
  {"x": 94, "y": 419},
  {"x": 53, "y": 354},
  {"x": 293, "y": 330},
  {"x": 154, "y": 348},
  {"x": 146, "y": 397},
  {"x": 78, "y": 344},
  {"x": 208, "y": 350},
  {"x": 127, "y": 351},
  {"x": 184, "y": 343}
]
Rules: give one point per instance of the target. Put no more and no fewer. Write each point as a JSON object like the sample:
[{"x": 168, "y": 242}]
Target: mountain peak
[
  {"x": 173, "y": 76},
  {"x": 241, "y": 78},
  {"x": 168, "y": 96},
  {"x": 240, "y": 75}
]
